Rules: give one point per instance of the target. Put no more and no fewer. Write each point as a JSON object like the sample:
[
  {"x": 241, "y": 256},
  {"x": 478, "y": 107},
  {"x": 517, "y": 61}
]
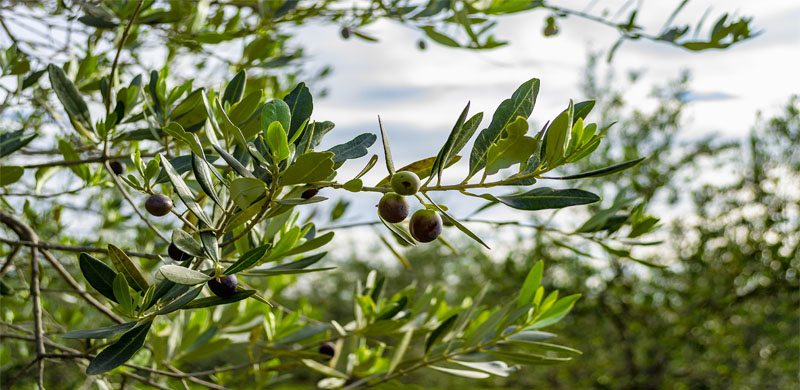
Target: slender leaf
[
  {"x": 387, "y": 152},
  {"x": 98, "y": 274},
  {"x": 125, "y": 265},
  {"x": 547, "y": 198},
  {"x": 355, "y": 148},
  {"x": 235, "y": 89},
  {"x": 183, "y": 191},
  {"x": 461, "y": 133},
  {"x": 495, "y": 367},
  {"x": 69, "y": 96},
  {"x": 400, "y": 350},
  {"x": 249, "y": 259},
  {"x": 186, "y": 243},
  {"x": 13, "y": 141},
  {"x": 603, "y": 171},
  {"x": 180, "y": 302},
  {"x": 183, "y": 275},
  {"x": 123, "y": 293},
  {"x": 233, "y": 162},
  {"x": 246, "y": 190},
  {"x": 121, "y": 351},
  {"x": 215, "y": 300},
  {"x": 323, "y": 369},
  {"x": 440, "y": 331},
  {"x": 531, "y": 284},
  {"x": 203, "y": 176},
  {"x": 309, "y": 168},
  {"x": 462, "y": 373},
  {"x": 100, "y": 333},
  {"x": 301, "y": 104}
]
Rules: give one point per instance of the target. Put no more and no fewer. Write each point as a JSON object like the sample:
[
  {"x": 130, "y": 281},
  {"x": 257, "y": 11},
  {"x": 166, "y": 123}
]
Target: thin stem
[
  {"x": 38, "y": 332},
  {"x": 69, "y": 248},
  {"x": 182, "y": 218},
  {"x": 116, "y": 57},
  {"x": 10, "y": 259}
]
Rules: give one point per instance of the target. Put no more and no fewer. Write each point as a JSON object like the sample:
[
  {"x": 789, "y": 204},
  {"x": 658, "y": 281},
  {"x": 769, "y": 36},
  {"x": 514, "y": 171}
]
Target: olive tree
[{"x": 204, "y": 188}]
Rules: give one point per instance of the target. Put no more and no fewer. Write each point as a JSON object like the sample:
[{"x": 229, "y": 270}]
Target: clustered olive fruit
[
  {"x": 177, "y": 254},
  {"x": 393, "y": 207},
  {"x": 224, "y": 286},
  {"x": 425, "y": 225},
  {"x": 158, "y": 205},
  {"x": 327, "y": 349},
  {"x": 309, "y": 193},
  {"x": 405, "y": 183},
  {"x": 117, "y": 167}
]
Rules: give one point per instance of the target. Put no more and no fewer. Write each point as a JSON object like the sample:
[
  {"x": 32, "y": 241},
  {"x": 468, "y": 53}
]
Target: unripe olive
[
  {"x": 309, "y": 193},
  {"x": 177, "y": 254},
  {"x": 393, "y": 207},
  {"x": 224, "y": 286},
  {"x": 405, "y": 183},
  {"x": 425, "y": 225},
  {"x": 327, "y": 349},
  {"x": 158, "y": 205},
  {"x": 117, "y": 167}
]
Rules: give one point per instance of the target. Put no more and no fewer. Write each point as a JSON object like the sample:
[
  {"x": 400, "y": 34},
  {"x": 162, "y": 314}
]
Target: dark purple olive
[
  {"x": 327, "y": 349},
  {"x": 421, "y": 44},
  {"x": 117, "y": 167},
  {"x": 158, "y": 205},
  {"x": 425, "y": 225},
  {"x": 405, "y": 183},
  {"x": 309, "y": 193},
  {"x": 177, "y": 254},
  {"x": 393, "y": 207},
  {"x": 224, "y": 287},
  {"x": 345, "y": 32}
]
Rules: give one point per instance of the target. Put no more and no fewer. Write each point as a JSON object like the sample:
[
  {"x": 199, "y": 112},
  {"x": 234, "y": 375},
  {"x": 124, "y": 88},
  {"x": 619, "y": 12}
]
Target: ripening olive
[
  {"x": 177, "y": 254},
  {"x": 224, "y": 286},
  {"x": 405, "y": 183},
  {"x": 327, "y": 349},
  {"x": 158, "y": 205},
  {"x": 117, "y": 167},
  {"x": 309, "y": 193},
  {"x": 425, "y": 225},
  {"x": 393, "y": 207}
]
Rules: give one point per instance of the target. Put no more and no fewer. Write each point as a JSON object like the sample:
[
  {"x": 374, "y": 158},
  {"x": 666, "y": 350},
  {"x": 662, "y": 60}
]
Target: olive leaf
[
  {"x": 355, "y": 148},
  {"x": 125, "y": 265},
  {"x": 183, "y": 275},
  {"x": 309, "y": 168},
  {"x": 98, "y": 274},
  {"x": 183, "y": 191},
  {"x": 457, "y": 135},
  {"x": 121, "y": 351},
  {"x": 235, "y": 89}
]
